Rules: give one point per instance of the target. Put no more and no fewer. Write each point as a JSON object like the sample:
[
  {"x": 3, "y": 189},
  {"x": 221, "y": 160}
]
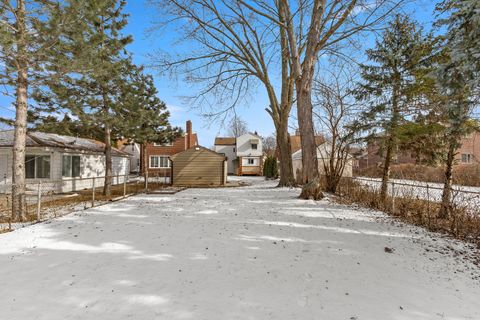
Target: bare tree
[
  {"x": 236, "y": 49},
  {"x": 316, "y": 27},
  {"x": 237, "y": 127},
  {"x": 334, "y": 107},
  {"x": 269, "y": 144}
]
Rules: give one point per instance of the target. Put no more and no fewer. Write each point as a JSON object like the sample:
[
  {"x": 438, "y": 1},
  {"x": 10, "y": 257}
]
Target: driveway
[{"x": 254, "y": 252}]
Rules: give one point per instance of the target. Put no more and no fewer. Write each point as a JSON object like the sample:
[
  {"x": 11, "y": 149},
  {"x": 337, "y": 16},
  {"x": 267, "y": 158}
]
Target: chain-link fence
[
  {"x": 461, "y": 196},
  {"x": 52, "y": 198}
]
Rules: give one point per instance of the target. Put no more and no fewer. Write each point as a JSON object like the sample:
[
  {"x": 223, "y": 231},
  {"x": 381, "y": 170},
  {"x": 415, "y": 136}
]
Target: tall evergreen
[
  {"x": 459, "y": 79},
  {"x": 28, "y": 31},
  {"x": 390, "y": 86},
  {"x": 95, "y": 94},
  {"x": 144, "y": 116}
]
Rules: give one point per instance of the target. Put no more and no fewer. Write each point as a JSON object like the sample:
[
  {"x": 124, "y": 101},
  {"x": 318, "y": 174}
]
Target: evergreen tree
[
  {"x": 458, "y": 79},
  {"x": 28, "y": 31},
  {"x": 67, "y": 126},
  {"x": 145, "y": 116},
  {"x": 95, "y": 94},
  {"x": 391, "y": 86}
]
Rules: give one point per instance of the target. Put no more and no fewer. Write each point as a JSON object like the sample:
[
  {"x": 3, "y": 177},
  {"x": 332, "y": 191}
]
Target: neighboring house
[
  {"x": 133, "y": 149},
  {"x": 158, "y": 154},
  {"x": 323, "y": 152},
  {"x": 228, "y": 147},
  {"x": 244, "y": 153},
  {"x": 199, "y": 166},
  {"x": 296, "y": 142},
  {"x": 70, "y": 161},
  {"x": 468, "y": 153}
]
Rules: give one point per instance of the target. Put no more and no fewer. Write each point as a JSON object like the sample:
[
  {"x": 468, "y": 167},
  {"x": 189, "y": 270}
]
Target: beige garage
[{"x": 199, "y": 166}]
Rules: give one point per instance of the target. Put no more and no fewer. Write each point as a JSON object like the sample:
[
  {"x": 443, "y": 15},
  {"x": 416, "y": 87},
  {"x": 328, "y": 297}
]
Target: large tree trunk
[
  {"x": 310, "y": 176},
  {"x": 446, "y": 206},
  {"x": 386, "y": 170},
  {"x": 19, "y": 205},
  {"x": 107, "y": 187},
  {"x": 285, "y": 156}
]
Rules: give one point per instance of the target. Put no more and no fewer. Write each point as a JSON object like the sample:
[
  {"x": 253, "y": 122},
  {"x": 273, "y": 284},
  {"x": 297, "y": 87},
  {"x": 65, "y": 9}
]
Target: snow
[
  {"x": 254, "y": 252},
  {"x": 462, "y": 195}
]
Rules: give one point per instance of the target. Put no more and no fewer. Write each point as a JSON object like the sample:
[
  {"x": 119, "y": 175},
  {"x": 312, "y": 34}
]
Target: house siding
[
  {"x": 198, "y": 168},
  {"x": 91, "y": 165},
  {"x": 229, "y": 152}
]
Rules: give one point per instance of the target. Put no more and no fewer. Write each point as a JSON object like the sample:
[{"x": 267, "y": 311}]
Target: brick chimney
[{"x": 188, "y": 128}]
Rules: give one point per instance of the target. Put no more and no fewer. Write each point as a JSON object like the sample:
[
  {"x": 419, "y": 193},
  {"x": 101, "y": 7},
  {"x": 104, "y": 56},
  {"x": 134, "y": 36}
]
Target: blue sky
[{"x": 171, "y": 91}]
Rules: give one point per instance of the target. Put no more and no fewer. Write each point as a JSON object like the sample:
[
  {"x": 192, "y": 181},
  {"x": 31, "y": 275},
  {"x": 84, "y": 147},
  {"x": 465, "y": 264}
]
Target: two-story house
[
  {"x": 158, "y": 154},
  {"x": 244, "y": 153}
]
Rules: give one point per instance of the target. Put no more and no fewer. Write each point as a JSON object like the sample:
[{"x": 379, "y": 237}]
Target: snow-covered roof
[{"x": 42, "y": 139}]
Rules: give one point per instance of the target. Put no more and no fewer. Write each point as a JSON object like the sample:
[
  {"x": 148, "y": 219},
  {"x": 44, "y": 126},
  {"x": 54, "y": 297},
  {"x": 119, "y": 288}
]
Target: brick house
[
  {"x": 468, "y": 153},
  {"x": 158, "y": 154}
]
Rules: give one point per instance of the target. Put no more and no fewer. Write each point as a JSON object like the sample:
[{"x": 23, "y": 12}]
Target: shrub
[{"x": 270, "y": 167}]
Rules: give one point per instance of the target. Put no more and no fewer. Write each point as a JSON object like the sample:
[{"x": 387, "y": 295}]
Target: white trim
[{"x": 159, "y": 162}]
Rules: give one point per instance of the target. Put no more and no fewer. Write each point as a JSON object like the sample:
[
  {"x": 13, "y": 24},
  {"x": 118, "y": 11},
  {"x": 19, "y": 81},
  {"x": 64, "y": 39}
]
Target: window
[
  {"x": 166, "y": 144},
  {"x": 251, "y": 161},
  {"x": 467, "y": 158},
  {"x": 159, "y": 162},
  {"x": 37, "y": 167},
  {"x": 234, "y": 149},
  {"x": 71, "y": 166},
  {"x": 254, "y": 146}
]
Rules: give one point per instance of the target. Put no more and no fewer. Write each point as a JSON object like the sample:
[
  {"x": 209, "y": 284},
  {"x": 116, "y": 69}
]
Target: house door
[{"x": 3, "y": 167}]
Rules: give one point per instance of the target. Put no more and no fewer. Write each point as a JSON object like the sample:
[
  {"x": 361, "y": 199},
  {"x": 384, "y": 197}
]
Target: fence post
[
  {"x": 39, "y": 200},
  {"x": 93, "y": 192},
  {"x": 146, "y": 180},
  {"x": 393, "y": 197},
  {"x": 125, "y": 186}
]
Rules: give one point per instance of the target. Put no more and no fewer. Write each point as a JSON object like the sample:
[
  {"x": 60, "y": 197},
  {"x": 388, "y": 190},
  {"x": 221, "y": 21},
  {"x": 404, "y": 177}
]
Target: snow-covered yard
[{"x": 236, "y": 253}]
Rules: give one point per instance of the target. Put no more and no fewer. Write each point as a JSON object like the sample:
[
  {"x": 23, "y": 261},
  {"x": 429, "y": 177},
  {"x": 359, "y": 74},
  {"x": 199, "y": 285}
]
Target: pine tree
[
  {"x": 390, "y": 87},
  {"x": 458, "y": 78},
  {"x": 28, "y": 31},
  {"x": 95, "y": 94},
  {"x": 145, "y": 116}
]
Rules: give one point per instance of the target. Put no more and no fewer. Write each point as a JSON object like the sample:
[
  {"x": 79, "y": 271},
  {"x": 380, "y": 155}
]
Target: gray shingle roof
[{"x": 41, "y": 139}]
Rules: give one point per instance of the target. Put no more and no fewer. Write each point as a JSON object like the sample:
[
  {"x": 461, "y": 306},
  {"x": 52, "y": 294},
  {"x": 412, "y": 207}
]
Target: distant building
[
  {"x": 158, "y": 154},
  {"x": 244, "y": 153},
  {"x": 468, "y": 153},
  {"x": 323, "y": 156},
  {"x": 68, "y": 161},
  {"x": 132, "y": 149}
]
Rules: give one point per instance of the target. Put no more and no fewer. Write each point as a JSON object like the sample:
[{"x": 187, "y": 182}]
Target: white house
[
  {"x": 244, "y": 153},
  {"x": 228, "y": 147},
  {"x": 68, "y": 163},
  {"x": 323, "y": 152},
  {"x": 134, "y": 150}
]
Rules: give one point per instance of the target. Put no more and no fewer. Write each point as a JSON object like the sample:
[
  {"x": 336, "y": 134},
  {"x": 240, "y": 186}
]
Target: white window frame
[
  {"x": 159, "y": 166},
  {"x": 166, "y": 144},
  {"x": 467, "y": 157},
  {"x": 35, "y": 157},
  {"x": 70, "y": 159}
]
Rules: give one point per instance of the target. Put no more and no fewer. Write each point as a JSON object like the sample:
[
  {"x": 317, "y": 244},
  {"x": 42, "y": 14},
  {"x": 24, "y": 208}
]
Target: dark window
[
  {"x": 71, "y": 166},
  {"x": 254, "y": 146},
  {"x": 37, "y": 167},
  {"x": 30, "y": 167}
]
